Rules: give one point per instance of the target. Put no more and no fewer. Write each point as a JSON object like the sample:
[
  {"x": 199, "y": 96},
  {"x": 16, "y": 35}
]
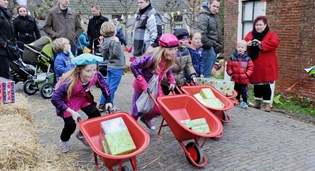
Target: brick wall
[
  {"x": 294, "y": 23},
  {"x": 230, "y": 26}
]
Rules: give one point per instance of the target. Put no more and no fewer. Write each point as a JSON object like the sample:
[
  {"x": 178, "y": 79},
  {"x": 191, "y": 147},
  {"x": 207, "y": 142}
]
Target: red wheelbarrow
[
  {"x": 228, "y": 104},
  {"x": 91, "y": 128},
  {"x": 174, "y": 109}
]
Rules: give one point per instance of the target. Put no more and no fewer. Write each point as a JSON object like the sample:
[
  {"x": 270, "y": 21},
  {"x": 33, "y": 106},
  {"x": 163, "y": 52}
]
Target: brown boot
[
  {"x": 265, "y": 107},
  {"x": 257, "y": 104}
]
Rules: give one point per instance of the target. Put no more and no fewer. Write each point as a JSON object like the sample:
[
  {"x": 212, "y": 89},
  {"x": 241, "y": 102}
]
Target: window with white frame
[{"x": 250, "y": 10}]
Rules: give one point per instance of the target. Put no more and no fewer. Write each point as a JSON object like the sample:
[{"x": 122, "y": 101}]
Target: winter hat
[
  {"x": 86, "y": 59},
  {"x": 204, "y": 4},
  {"x": 181, "y": 33},
  {"x": 168, "y": 40}
]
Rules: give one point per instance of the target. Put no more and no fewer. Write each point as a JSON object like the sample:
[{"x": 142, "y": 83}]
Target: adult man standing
[
  {"x": 209, "y": 25},
  {"x": 61, "y": 21},
  {"x": 94, "y": 25},
  {"x": 147, "y": 28}
]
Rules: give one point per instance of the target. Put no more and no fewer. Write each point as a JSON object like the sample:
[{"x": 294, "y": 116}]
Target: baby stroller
[
  {"x": 39, "y": 53},
  {"x": 19, "y": 71}
]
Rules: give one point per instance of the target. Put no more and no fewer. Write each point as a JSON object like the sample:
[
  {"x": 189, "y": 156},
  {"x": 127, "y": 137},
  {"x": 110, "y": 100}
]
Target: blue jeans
[
  {"x": 113, "y": 78},
  {"x": 209, "y": 57}
]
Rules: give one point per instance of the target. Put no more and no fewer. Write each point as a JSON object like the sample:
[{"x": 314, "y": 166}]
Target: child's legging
[
  {"x": 69, "y": 127},
  {"x": 242, "y": 90}
]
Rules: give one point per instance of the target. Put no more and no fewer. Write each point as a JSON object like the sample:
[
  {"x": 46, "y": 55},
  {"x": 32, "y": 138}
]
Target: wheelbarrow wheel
[
  {"x": 195, "y": 153},
  {"x": 30, "y": 87},
  {"x": 224, "y": 117},
  {"x": 47, "y": 90},
  {"x": 125, "y": 168}
]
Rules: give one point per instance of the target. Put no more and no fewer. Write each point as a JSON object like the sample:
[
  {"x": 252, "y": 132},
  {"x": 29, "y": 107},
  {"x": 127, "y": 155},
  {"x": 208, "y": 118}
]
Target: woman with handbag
[
  {"x": 157, "y": 62},
  {"x": 6, "y": 34}
]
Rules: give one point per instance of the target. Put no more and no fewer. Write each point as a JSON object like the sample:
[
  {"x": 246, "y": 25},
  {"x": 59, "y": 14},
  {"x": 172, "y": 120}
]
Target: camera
[{"x": 255, "y": 43}]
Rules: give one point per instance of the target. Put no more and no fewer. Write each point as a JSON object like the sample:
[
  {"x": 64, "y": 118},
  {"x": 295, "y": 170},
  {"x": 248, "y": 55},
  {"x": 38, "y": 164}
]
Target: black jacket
[
  {"x": 94, "y": 27},
  {"x": 25, "y": 29},
  {"x": 6, "y": 30}
]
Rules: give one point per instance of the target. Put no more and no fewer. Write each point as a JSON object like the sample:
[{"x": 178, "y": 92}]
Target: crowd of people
[{"x": 174, "y": 58}]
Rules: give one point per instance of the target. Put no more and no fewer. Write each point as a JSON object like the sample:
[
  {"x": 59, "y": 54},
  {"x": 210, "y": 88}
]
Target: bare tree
[
  {"x": 170, "y": 11},
  {"x": 12, "y": 6},
  {"x": 192, "y": 12},
  {"x": 126, "y": 9},
  {"x": 40, "y": 7}
]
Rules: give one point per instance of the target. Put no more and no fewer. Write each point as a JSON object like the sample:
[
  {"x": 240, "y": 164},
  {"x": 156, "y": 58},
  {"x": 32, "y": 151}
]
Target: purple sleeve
[
  {"x": 104, "y": 87},
  {"x": 169, "y": 72},
  {"x": 140, "y": 63},
  {"x": 59, "y": 96}
]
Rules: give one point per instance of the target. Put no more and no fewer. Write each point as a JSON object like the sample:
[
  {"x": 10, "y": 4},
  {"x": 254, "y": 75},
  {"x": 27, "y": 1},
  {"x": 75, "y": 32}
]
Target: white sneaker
[
  {"x": 115, "y": 109},
  {"x": 63, "y": 146}
]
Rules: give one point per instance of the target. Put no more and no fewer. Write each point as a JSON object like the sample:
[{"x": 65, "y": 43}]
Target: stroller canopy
[{"x": 38, "y": 52}]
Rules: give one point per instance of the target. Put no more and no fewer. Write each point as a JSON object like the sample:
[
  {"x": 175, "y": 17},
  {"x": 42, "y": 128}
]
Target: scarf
[
  {"x": 6, "y": 12},
  {"x": 259, "y": 36}
]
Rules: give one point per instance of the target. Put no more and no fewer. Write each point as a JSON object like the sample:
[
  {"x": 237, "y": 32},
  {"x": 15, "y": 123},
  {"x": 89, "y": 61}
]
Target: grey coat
[
  {"x": 113, "y": 53},
  {"x": 147, "y": 29}
]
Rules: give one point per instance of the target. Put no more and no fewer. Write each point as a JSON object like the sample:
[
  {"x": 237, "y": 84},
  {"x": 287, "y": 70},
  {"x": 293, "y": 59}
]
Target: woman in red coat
[{"x": 262, "y": 44}]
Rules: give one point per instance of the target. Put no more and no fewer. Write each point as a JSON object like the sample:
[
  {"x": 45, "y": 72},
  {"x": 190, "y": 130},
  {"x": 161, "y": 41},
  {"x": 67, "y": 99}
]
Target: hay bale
[
  {"x": 20, "y": 148},
  {"x": 18, "y": 139}
]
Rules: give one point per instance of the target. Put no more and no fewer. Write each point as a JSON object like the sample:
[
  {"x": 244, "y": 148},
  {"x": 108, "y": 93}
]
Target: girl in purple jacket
[
  {"x": 159, "y": 62},
  {"x": 73, "y": 93}
]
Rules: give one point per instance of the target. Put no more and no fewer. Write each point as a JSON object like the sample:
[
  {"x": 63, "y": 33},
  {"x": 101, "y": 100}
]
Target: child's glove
[
  {"x": 193, "y": 78},
  {"x": 75, "y": 115},
  {"x": 128, "y": 48},
  {"x": 172, "y": 87},
  {"x": 142, "y": 83},
  {"x": 108, "y": 105}
]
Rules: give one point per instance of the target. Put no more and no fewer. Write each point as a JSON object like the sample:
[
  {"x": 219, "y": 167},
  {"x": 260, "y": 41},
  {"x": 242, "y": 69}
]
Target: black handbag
[{"x": 13, "y": 50}]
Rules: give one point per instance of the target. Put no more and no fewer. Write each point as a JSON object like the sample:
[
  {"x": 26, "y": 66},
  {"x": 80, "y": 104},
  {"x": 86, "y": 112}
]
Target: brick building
[{"x": 294, "y": 22}]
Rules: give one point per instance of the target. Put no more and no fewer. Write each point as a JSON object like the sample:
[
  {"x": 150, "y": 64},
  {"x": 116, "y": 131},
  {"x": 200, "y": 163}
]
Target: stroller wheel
[
  {"x": 195, "y": 153},
  {"x": 47, "y": 90},
  {"x": 30, "y": 87}
]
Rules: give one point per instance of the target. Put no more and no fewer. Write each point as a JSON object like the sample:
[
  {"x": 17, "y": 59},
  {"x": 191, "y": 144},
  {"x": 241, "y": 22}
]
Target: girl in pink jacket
[{"x": 73, "y": 93}]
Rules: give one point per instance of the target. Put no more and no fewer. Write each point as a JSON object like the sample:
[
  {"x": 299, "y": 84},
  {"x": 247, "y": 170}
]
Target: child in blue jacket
[
  {"x": 62, "y": 62},
  {"x": 82, "y": 42},
  {"x": 196, "y": 50}
]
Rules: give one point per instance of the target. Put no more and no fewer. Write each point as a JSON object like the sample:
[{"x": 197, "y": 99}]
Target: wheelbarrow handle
[
  {"x": 152, "y": 97},
  {"x": 149, "y": 91}
]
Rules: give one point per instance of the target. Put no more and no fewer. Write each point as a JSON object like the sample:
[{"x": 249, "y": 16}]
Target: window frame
[{"x": 241, "y": 21}]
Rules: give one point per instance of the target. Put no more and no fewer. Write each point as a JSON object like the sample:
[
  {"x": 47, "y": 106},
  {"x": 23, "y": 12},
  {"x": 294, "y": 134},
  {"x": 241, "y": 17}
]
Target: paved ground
[{"x": 253, "y": 140}]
